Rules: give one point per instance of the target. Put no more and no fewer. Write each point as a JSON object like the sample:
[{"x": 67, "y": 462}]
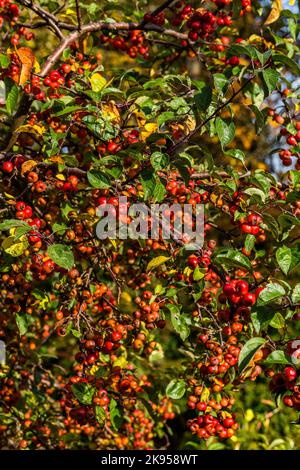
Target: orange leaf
[
  {"x": 27, "y": 166},
  {"x": 27, "y": 59}
]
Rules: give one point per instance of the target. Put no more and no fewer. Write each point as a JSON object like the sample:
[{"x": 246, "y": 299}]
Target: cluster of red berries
[
  {"x": 291, "y": 135},
  {"x": 158, "y": 19},
  {"x": 9, "y": 11},
  {"x": 9, "y": 14},
  {"x": 23, "y": 211},
  {"x": 113, "y": 146},
  {"x": 134, "y": 44},
  {"x": 140, "y": 430},
  {"x": 207, "y": 425},
  {"x": 148, "y": 312},
  {"x": 202, "y": 23},
  {"x": 68, "y": 186},
  {"x": 54, "y": 80},
  {"x": 252, "y": 224},
  {"x": 108, "y": 343},
  {"x": 41, "y": 268},
  {"x": 285, "y": 382},
  {"x": 220, "y": 357},
  {"x": 35, "y": 88},
  {"x": 237, "y": 291}
]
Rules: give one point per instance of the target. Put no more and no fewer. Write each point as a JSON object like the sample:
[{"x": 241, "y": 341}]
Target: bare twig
[{"x": 50, "y": 19}]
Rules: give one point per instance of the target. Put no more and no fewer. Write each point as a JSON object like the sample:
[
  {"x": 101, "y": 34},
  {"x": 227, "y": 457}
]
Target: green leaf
[
  {"x": 225, "y": 131},
  {"x": 234, "y": 258},
  {"x": 240, "y": 49},
  {"x": 76, "y": 333},
  {"x": 248, "y": 351},
  {"x": 270, "y": 78},
  {"x": 277, "y": 357},
  {"x": 159, "y": 160},
  {"x": 296, "y": 294},
  {"x": 198, "y": 274},
  {"x": 271, "y": 292},
  {"x": 115, "y": 414},
  {"x": 11, "y": 95},
  {"x": 180, "y": 321},
  {"x": 157, "y": 261},
  {"x": 203, "y": 97},
  {"x": 66, "y": 209},
  {"x": 4, "y": 61},
  {"x": 285, "y": 60},
  {"x": 62, "y": 255},
  {"x": 237, "y": 154},
  {"x": 261, "y": 317},
  {"x": 249, "y": 242},
  {"x": 23, "y": 322},
  {"x": 84, "y": 392},
  {"x": 148, "y": 182},
  {"x": 284, "y": 258},
  {"x": 98, "y": 179},
  {"x": 67, "y": 110},
  {"x": 176, "y": 389},
  {"x": 260, "y": 120},
  {"x": 159, "y": 192},
  {"x": 293, "y": 28},
  {"x": 100, "y": 415},
  {"x": 164, "y": 117},
  {"x": 8, "y": 224},
  {"x": 59, "y": 228},
  {"x": 255, "y": 192},
  {"x": 220, "y": 82},
  {"x": 277, "y": 321}
]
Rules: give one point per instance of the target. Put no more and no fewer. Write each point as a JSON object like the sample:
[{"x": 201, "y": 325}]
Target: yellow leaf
[
  {"x": 120, "y": 362},
  {"x": 15, "y": 247},
  {"x": 93, "y": 369},
  {"x": 97, "y": 82},
  {"x": 60, "y": 177},
  {"x": 9, "y": 196},
  {"x": 126, "y": 297},
  {"x": 205, "y": 394},
  {"x": 149, "y": 128},
  {"x": 155, "y": 262},
  {"x": 189, "y": 124},
  {"x": 292, "y": 3},
  {"x": 36, "y": 66},
  {"x": 249, "y": 415},
  {"x": 111, "y": 112},
  {"x": 27, "y": 166},
  {"x": 36, "y": 129},
  {"x": 187, "y": 271},
  {"x": 113, "y": 242},
  {"x": 275, "y": 12}
]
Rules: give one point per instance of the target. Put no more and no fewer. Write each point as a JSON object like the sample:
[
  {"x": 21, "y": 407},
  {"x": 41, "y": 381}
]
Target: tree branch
[
  {"x": 100, "y": 26},
  {"x": 50, "y": 19},
  {"x": 78, "y": 14}
]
